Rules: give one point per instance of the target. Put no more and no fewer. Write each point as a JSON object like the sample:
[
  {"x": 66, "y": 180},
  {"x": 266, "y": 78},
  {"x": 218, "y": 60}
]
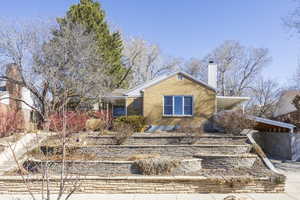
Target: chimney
[{"x": 212, "y": 74}]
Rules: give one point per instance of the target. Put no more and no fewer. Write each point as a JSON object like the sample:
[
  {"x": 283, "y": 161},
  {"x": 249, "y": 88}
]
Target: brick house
[
  {"x": 12, "y": 98},
  {"x": 172, "y": 99}
]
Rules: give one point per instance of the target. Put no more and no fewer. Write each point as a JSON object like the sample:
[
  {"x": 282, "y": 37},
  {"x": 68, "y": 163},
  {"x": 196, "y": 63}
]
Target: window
[
  {"x": 118, "y": 111},
  {"x": 3, "y": 89},
  {"x": 178, "y": 106}
]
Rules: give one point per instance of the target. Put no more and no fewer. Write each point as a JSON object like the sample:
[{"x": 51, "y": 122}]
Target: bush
[
  {"x": 233, "y": 122},
  {"x": 95, "y": 124},
  {"x": 136, "y": 122},
  {"x": 123, "y": 132},
  {"x": 192, "y": 134},
  {"x": 75, "y": 121},
  {"x": 278, "y": 179},
  {"x": 156, "y": 166}
]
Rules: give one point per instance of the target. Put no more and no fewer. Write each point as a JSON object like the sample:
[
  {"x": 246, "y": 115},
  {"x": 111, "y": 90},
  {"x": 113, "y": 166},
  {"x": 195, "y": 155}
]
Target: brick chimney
[{"x": 14, "y": 90}]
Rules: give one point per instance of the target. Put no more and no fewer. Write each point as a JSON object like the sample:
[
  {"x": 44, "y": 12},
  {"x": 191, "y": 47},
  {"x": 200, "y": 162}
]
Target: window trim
[{"x": 173, "y": 106}]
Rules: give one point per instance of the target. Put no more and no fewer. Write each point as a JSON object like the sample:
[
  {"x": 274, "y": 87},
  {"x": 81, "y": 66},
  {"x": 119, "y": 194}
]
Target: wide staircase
[{"x": 211, "y": 162}]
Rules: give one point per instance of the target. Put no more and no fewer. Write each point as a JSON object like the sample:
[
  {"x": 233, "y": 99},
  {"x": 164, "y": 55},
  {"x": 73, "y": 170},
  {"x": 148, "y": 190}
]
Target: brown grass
[
  {"x": 143, "y": 156},
  {"x": 157, "y": 166}
]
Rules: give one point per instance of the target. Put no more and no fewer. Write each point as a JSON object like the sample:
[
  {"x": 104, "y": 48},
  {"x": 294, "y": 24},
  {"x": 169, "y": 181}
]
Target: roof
[
  {"x": 229, "y": 102},
  {"x": 137, "y": 90},
  {"x": 272, "y": 122},
  {"x": 285, "y": 105}
]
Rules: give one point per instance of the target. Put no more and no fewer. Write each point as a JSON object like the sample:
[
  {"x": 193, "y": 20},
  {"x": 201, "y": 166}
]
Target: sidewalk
[{"x": 166, "y": 197}]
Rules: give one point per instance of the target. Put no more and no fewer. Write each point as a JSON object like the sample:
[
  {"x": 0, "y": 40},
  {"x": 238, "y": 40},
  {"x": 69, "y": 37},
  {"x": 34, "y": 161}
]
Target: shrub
[
  {"x": 75, "y": 121},
  {"x": 278, "y": 179},
  {"x": 156, "y": 166},
  {"x": 136, "y": 122},
  {"x": 233, "y": 122},
  {"x": 123, "y": 132},
  {"x": 191, "y": 134},
  {"x": 10, "y": 123},
  {"x": 95, "y": 124}
]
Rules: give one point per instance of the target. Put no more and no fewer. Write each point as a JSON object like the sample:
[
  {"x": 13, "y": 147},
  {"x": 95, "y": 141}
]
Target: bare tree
[
  {"x": 144, "y": 61},
  {"x": 68, "y": 183},
  {"x": 65, "y": 59},
  {"x": 55, "y": 69},
  {"x": 17, "y": 42},
  {"x": 292, "y": 23},
  {"x": 264, "y": 97},
  {"x": 69, "y": 62},
  {"x": 238, "y": 66},
  {"x": 197, "y": 68}
]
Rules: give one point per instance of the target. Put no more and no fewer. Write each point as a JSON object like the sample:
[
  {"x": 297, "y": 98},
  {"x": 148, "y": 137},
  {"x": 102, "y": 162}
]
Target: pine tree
[{"x": 90, "y": 14}]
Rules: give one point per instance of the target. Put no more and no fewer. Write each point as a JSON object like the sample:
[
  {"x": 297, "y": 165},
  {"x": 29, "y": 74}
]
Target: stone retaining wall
[
  {"x": 105, "y": 168},
  {"x": 166, "y": 140},
  {"x": 227, "y": 161},
  {"x": 163, "y": 150},
  {"x": 147, "y": 185}
]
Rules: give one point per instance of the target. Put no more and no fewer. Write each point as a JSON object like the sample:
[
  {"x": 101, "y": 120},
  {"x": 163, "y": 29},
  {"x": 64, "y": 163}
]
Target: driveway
[{"x": 290, "y": 169}]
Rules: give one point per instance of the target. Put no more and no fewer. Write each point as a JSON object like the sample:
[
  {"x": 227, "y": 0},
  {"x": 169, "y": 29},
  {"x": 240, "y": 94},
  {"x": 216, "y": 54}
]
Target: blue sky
[{"x": 190, "y": 28}]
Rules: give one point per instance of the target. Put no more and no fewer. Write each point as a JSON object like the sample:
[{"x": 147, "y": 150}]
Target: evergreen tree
[{"x": 90, "y": 14}]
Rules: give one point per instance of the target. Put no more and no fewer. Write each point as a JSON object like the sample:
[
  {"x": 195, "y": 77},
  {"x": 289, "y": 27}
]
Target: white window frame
[{"x": 173, "y": 106}]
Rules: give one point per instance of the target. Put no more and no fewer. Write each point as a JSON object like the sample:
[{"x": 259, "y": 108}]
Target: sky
[{"x": 190, "y": 28}]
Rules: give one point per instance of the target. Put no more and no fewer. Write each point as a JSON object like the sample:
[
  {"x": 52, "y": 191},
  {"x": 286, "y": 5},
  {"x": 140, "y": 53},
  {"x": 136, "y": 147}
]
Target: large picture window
[{"x": 178, "y": 106}]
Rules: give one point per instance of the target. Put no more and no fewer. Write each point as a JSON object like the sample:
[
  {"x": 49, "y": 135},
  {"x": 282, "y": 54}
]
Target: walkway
[{"x": 21, "y": 147}]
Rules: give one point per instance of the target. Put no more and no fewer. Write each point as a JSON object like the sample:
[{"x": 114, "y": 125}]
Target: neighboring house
[
  {"x": 13, "y": 98},
  {"x": 286, "y": 111},
  {"x": 173, "y": 99}
]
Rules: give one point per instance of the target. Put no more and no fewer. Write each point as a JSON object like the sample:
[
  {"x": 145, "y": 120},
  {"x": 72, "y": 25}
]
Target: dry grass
[
  {"x": 157, "y": 166},
  {"x": 143, "y": 156},
  {"x": 56, "y": 154}
]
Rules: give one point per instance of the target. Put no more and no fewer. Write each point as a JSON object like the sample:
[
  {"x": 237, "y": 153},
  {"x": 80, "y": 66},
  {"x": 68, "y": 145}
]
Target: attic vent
[{"x": 179, "y": 77}]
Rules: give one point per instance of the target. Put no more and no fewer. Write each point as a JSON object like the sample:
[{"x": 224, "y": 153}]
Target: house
[
  {"x": 15, "y": 100},
  {"x": 285, "y": 110},
  {"x": 172, "y": 99}
]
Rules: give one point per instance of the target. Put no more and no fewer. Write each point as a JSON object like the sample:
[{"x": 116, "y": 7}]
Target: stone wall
[
  {"x": 166, "y": 140},
  {"x": 227, "y": 161},
  {"x": 146, "y": 185},
  {"x": 105, "y": 168},
  {"x": 163, "y": 150}
]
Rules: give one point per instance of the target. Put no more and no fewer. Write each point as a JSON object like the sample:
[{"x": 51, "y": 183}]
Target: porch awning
[{"x": 229, "y": 102}]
